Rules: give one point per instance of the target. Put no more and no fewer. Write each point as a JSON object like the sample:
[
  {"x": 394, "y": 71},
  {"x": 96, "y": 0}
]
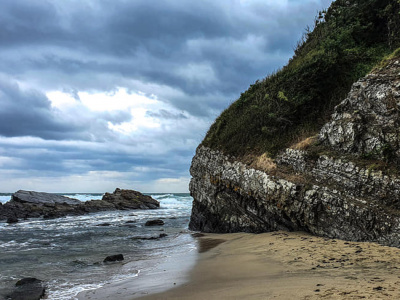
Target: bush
[{"x": 348, "y": 40}]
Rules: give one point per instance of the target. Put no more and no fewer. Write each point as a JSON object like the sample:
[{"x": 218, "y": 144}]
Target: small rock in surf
[
  {"x": 154, "y": 223},
  {"x": 112, "y": 258}
]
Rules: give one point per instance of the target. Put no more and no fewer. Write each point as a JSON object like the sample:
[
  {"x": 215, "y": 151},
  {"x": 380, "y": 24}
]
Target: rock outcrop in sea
[
  {"x": 333, "y": 190},
  {"x": 28, "y": 289},
  {"x": 130, "y": 199},
  {"x": 30, "y": 204}
]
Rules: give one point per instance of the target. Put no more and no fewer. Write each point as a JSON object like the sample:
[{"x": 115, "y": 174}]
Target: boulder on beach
[
  {"x": 28, "y": 289},
  {"x": 112, "y": 258},
  {"x": 157, "y": 222},
  {"x": 130, "y": 199}
]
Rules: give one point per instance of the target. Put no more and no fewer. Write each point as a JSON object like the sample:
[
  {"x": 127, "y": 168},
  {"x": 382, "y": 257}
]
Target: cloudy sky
[{"x": 99, "y": 94}]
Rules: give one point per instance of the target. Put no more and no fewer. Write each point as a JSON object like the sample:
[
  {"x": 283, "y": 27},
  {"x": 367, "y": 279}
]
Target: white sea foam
[
  {"x": 56, "y": 244},
  {"x": 14, "y": 245},
  {"x": 84, "y": 197},
  {"x": 5, "y": 198},
  {"x": 67, "y": 292}
]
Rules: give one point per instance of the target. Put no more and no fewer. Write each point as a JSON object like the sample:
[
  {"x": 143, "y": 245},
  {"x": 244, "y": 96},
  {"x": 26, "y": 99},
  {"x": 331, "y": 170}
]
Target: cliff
[
  {"x": 343, "y": 183},
  {"x": 349, "y": 39}
]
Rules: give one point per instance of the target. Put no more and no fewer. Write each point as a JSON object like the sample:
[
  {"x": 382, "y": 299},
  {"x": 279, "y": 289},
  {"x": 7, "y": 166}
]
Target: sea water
[{"x": 67, "y": 253}]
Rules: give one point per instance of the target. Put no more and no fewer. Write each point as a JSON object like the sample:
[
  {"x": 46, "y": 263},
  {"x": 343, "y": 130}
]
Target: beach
[{"x": 282, "y": 265}]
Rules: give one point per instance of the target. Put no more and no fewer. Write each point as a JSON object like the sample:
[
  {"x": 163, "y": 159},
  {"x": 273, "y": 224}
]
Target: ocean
[{"x": 67, "y": 253}]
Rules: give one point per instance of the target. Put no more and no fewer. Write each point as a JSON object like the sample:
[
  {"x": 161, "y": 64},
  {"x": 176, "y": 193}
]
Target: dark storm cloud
[
  {"x": 28, "y": 112},
  {"x": 193, "y": 58},
  {"x": 153, "y": 41},
  {"x": 58, "y": 160}
]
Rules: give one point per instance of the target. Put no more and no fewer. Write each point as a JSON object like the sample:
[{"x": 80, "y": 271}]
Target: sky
[{"x": 100, "y": 94}]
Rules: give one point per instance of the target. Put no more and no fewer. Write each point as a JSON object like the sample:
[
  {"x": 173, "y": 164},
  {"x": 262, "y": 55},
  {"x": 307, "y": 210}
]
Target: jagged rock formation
[
  {"x": 325, "y": 195},
  {"x": 29, "y": 204},
  {"x": 368, "y": 121},
  {"x": 130, "y": 199},
  {"x": 42, "y": 198}
]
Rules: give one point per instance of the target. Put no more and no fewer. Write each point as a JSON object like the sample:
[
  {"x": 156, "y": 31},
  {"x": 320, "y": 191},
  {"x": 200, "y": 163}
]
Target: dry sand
[{"x": 282, "y": 265}]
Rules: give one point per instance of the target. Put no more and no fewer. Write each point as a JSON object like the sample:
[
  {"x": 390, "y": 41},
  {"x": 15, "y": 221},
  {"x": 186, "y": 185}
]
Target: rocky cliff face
[
  {"x": 368, "y": 121},
  {"x": 327, "y": 196}
]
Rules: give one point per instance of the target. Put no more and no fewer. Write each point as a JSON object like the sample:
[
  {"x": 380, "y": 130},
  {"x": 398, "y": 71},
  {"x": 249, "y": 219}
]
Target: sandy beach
[
  {"x": 283, "y": 265},
  {"x": 276, "y": 265}
]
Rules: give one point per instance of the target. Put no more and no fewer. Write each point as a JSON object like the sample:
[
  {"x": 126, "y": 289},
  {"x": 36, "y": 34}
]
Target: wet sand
[
  {"x": 277, "y": 265},
  {"x": 172, "y": 272},
  {"x": 295, "y": 265}
]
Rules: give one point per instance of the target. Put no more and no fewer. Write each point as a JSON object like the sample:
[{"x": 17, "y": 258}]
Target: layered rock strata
[
  {"x": 327, "y": 196},
  {"x": 339, "y": 200}
]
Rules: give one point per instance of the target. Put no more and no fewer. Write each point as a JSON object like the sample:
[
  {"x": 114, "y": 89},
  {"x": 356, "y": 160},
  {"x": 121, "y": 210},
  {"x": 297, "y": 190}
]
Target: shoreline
[
  {"x": 296, "y": 265},
  {"x": 68, "y": 253},
  {"x": 275, "y": 265},
  {"x": 167, "y": 273}
]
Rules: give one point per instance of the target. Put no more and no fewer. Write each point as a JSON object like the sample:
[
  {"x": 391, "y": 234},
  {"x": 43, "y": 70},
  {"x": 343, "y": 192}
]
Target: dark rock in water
[
  {"x": 42, "y": 198},
  {"x": 130, "y": 222},
  {"x": 104, "y": 224},
  {"x": 53, "y": 215},
  {"x": 112, "y": 258},
  {"x": 131, "y": 226},
  {"x": 12, "y": 219},
  {"x": 97, "y": 205},
  {"x": 28, "y": 289},
  {"x": 28, "y": 204},
  {"x": 162, "y": 235},
  {"x": 130, "y": 199},
  {"x": 28, "y": 280},
  {"x": 154, "y": 223}
]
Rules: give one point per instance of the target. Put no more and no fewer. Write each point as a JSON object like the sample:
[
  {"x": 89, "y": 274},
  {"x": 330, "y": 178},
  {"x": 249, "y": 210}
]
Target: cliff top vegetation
[{"x": 348, "y": 40}]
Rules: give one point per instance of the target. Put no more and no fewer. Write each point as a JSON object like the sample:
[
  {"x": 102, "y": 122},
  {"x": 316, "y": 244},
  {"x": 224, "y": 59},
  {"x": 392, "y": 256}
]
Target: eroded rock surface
[
  {"x": 327, "y": 196},
  {"x": 367, "y": 121},
  {"x": 340, "y": 201},
  {"x": 42, "y": 198},
  {"x": 130, "y": 199},
  {"x": 29, "y": 204}
]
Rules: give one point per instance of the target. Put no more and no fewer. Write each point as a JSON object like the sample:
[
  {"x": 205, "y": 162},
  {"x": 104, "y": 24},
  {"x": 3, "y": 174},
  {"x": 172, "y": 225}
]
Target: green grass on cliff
[{"x": 348, "y": 40}]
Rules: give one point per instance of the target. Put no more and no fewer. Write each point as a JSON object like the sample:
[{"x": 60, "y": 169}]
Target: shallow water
[{"x": 68, "y": 253}]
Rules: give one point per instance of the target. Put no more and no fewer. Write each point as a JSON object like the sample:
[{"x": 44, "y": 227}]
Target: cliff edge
[
  {"x": 343, "y": 183},
  {"x": 316, "y": 145}
]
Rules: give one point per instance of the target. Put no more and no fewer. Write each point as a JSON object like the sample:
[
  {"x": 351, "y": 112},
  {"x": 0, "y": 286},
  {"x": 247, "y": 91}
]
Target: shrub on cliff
[{"x": 348, "y": 40}]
